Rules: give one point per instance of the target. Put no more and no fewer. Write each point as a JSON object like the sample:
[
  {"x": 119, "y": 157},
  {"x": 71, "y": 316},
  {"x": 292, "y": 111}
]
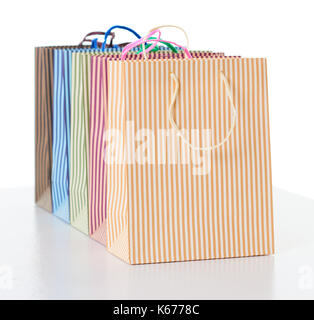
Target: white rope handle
[
  {"x": 165, "y": 26},
  {"x": 178, "y": 130}
]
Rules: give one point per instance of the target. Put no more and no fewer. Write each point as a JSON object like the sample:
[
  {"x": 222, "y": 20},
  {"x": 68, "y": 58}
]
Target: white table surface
[{"x": 42, "y": 257}]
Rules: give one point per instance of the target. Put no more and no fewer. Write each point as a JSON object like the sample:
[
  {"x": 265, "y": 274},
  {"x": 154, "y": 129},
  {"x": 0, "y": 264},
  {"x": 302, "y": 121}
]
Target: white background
[{"x": 282, "y": 31}]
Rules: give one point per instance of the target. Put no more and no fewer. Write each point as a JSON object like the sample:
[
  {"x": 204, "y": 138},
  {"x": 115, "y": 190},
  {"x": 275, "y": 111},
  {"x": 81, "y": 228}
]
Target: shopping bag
[
  {"x": 218, "y": 204},
  {"x": 43, "y": 127},
  {"x": 61, "y": 142},
  {"x": 61, "y": 134},
  {"x": 69, "y": 190},
  {"x": 98, "y": 194},
  {"x": 79, "y": 139},
  {"x": 44, "y": 90},
  {"x": 79, "y": 144},
  {"x": 80, "y": 130}
]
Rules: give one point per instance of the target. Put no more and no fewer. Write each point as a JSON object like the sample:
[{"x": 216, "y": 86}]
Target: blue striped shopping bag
[
  {"x": 61, "y": 135},
  {"x": 61, "y": 132}
]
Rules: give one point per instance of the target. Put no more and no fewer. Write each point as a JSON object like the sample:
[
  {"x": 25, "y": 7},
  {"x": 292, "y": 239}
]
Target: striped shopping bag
[
  {"x": 43, "y": 126},
  {"x": 61, "y": 143},
  {"x": 187, "y": 159},
  {"x": 62, "y": 134},
  {"x": 44, "y": 92},
  {"x": 99, "y": 105},
  {"x": 79, "y": 140}
]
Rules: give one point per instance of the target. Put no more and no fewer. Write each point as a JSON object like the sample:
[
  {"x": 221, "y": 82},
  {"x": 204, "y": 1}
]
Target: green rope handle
[{"x": 169, "y": 45}]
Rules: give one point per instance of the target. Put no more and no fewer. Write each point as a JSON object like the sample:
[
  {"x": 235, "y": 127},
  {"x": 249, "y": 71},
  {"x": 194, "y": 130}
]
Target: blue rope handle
[
  {"x": 118, "y": 27},
  {"x": 94, "y": 43}
]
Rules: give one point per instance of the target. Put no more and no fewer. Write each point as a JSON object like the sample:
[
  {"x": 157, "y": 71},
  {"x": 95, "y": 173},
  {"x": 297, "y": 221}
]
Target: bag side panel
[
  {"x": 79, "y": 149},
  {"x": 97, "y": 183},
  {"x": 116, "y": 171},
  {"x": 60, "y": 145},
  {"x": 43, "y": 124}
]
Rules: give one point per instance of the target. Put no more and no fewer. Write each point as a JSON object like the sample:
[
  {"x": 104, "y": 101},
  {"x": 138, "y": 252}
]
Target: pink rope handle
[
  {"x": 186, "y": 51},
  {"x": 145, "y": 39},
  {"x": 138, "y": 42}
]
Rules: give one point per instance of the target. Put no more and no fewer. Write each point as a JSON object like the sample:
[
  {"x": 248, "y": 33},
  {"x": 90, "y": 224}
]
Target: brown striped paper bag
[
  {"x": 187, "y": 154},
  {"x": 44, "y": 90},
  {"x": 43, "y": 126}
]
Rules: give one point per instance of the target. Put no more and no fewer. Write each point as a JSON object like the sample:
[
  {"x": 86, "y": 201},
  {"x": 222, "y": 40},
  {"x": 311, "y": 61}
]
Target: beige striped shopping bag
[{"x": 188, "y": 159}]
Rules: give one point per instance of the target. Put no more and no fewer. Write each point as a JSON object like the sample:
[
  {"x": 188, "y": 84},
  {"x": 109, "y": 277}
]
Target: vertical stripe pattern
[
  {"x": 171, "y": 213},
  {"x": 61, "y": 135},
  {"x": 43, "y": 126},
  {"x": 100, "y": 97},
  {"x": 80, "y": 131},
  {"x": 148, "y": 212},
  {"x": 79, "y": 158},
  {"x": 96, "y": 170}
]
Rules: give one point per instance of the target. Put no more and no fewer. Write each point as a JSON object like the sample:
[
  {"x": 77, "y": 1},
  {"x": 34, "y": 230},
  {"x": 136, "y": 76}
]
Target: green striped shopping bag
[{"x": 79, "y": 141}]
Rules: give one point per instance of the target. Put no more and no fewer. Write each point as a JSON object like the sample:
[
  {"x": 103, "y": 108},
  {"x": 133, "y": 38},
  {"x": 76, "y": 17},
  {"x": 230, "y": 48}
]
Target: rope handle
[
  {"x": 136, "y": 43},
  {"x": 148, "y": 38},
  {"x": 169, "y": 45},
  {"x": 95, "y": 33},
  {"x": 173, "y": 123},
  {"x": 168, "y": 26},
  {"x": 178, "y": 130},
  {"x": 118, "y": 27}
]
